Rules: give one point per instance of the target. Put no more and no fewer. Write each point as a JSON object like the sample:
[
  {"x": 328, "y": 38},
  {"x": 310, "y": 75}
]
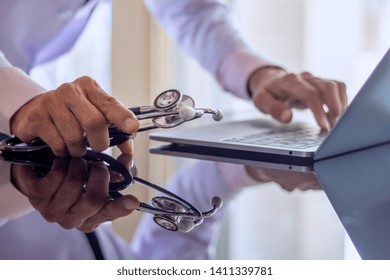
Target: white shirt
[{"x": 33, "y": 32}]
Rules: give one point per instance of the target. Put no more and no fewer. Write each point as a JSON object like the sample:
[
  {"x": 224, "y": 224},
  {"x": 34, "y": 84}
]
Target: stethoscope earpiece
[
  {"x": 216, "y": 202},
  {"x": 218, "y": 115}
]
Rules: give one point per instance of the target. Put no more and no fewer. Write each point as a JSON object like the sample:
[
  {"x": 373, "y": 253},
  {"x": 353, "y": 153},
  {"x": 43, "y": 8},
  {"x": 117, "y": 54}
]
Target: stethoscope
[
  {"x": 170, "y": 109},
  {"x": 170, "y": 211}
]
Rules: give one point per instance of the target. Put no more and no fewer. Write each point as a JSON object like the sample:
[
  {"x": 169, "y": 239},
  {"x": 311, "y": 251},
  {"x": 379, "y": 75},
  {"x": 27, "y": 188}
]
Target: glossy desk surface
[{"x": 358, "y": 187}]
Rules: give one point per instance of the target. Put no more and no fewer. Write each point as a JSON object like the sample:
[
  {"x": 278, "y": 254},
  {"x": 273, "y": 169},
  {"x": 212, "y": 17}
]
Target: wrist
[{"x": 260, "y": 77}]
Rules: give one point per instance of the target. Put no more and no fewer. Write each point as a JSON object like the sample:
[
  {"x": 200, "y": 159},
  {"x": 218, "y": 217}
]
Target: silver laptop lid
[{"x": 366, "y": 122}]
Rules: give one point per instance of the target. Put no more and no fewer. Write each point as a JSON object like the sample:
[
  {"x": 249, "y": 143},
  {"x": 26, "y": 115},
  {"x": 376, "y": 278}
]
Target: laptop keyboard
[{"x": 299, "y": 139}]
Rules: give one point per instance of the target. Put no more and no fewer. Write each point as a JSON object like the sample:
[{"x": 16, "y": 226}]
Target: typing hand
[
  {"x": 71, "y": 116},
  {"x": 276, "y": 92},
  {"x": 74, "y": 193}
]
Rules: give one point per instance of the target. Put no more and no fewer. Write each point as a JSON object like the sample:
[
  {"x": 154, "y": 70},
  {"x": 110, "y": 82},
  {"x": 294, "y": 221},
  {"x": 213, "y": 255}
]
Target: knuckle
[
  {"x": 291, "y": 77},
  {"x": 67, "y": 225},
  {"x": 95, "y": 201},
  {"x": 94, "y": 122},
  {"x": 84, "y": 79},
  {"x": 330, "y": 86},
  {"x": 342, "y": 88},
  {"x": 50, "y": 216},
  {"x": 70, "y": 220},
  {"x": 100, "y": 147},
  {"x": 105, "y": 217},
  {"x": 334, "y": 111},
  {"x": 75, "y": 139},
  {"x": 87, "y": 227},
  {"x": 260, "y": 99},
  {"x": 109, "y": 103},
  {"x": 78, "y": 152},
  {"x": 66, "y": 88},
  {"x": 59, "y": 148}
]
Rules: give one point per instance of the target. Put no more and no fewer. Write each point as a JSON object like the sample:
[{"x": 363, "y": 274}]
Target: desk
[{"x": 358, "y": 187}]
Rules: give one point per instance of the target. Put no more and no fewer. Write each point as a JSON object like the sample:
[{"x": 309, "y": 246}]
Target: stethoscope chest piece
[
  {"x": 167, "y": 99},
  {"x": 168, "y": 221}
]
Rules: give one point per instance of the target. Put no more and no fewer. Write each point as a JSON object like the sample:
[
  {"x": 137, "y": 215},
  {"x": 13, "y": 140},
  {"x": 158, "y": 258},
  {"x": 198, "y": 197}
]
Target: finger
[
  {"x": 70, "y": 190},
  {"x": 86, "y": 117},
  {"x": 330, "y": 95},
  {"x": 92, "y": 200},
  {"x": 297, "y": 88},
  {"x": 94, "y": 125},
  {"x": 269, "y": 104},
  {"x": 51, "y": 136},
  {"x": 34, "y": 120},
  {"x": 70, "y": 129},
  {"x": 113, "y": 210},
  {"x": 126, "y": 160},
  {"x": 343, "y": 94},
  {"x": 127, "y": 147},
  {"x": 111, "y": 108},
  {"x": 41, "y": 190}
]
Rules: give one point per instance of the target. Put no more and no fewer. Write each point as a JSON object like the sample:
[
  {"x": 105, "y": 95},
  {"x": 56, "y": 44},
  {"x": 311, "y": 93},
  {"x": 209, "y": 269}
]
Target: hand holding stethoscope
[{"x": 170, "y": 109}]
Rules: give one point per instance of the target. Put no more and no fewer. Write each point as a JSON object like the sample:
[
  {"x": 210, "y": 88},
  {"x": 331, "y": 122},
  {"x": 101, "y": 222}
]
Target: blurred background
[{"x": 128, "y": 54}]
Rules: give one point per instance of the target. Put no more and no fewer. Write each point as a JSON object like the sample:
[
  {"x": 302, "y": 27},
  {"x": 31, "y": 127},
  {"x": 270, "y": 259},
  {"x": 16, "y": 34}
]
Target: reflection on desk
[{"x": 358, "y": 187}]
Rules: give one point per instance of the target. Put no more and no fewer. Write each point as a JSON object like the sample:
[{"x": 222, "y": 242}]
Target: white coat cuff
[
  {"x": 235, "y": 70},
  {"x": 16, "y": 89}
]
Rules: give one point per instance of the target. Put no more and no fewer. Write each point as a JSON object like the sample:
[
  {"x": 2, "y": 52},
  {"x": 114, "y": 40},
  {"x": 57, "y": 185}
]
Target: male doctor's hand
[
  {"x": 276, "y": 92},
  {"x": 71, "y": 116}
]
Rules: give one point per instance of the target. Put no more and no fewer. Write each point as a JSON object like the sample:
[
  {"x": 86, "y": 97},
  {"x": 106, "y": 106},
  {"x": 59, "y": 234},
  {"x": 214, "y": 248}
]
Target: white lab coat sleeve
[
  {"x": 204, "y": 29},
  {"x": 16, "y": 89},
  {"x": 197, "y": 184},
  {"x": 4, "y": 61}
]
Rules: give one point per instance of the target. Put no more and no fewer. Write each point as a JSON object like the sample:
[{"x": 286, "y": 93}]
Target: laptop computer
[{"x": 365, "y": 123}]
